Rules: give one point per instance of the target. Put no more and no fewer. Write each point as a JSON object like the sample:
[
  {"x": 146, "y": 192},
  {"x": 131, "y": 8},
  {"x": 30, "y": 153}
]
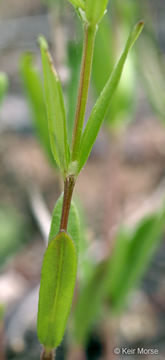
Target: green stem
[
  {"x": 79, "y": 119},
  {"x": 89, "y": 40}
]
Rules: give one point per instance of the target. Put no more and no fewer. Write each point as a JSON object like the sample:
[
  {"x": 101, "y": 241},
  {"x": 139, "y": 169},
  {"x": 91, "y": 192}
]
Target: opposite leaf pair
[
  {"x": 56, "y": 110},
  {"x": 93, "y": 9}
]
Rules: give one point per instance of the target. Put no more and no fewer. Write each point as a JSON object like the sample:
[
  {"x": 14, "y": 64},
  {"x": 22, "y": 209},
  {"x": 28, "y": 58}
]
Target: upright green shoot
[{"x": 59, "y": 268}]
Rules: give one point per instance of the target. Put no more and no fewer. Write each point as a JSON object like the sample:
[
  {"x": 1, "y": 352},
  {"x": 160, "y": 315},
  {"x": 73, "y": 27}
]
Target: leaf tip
[
  {"x": 136, "y": 32},
  {"x": 140, "y": 24},
  {"x": 43, "y": 43},
  {"x": 139, "y": 27}
]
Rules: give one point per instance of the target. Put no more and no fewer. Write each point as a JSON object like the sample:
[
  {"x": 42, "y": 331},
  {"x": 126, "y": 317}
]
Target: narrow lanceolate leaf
[
  {"x": 131, "y": 258},
  {"x": 118, "y": 258},
  {"x": 74, "y": 62},
  {"x": 89, "y": 304},
  {"x": 99, "y": 111},
  {"x": 56, "y": 291},
  {"x": 73, "y": 222},
  {"x": 95, "y": 10},
  {"x": 153, "y": 76},
  {"x": 34, "y": 91},
  {"x": 55, "y": 109},
  {"x": 78, "y": 3}
]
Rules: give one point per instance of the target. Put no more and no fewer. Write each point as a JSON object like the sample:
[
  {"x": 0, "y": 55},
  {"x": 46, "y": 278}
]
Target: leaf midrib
[
  {"x": 57, "y": 287},
  {"x": 59, "y": 276}
]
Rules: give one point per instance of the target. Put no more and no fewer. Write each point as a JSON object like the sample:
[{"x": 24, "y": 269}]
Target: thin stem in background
[{"x": 88, "y": 48}]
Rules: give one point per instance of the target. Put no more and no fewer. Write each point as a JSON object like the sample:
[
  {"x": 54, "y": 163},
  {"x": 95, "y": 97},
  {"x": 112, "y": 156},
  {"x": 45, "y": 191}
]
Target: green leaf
[
  {"x": 85, "y": 261},
  {"x": 117, "y": 117},
  {"x": 73, "y": 222},
  {"x": 153, "y": 75},
  {"x": 118, "y": 258},
  {"x": 56, "y": 291},
  {"x": 55, "y": 110},
  {"x": 13, "y": 231},
  {"x": 131, "y": 258},
  {"x": 95, "y": 10},
  {"x": 78, "y": 3},
  {"x": 34, "y": 91},
  {"x": 104, "y": 59},
  {"x": 89, "y": 304},
  {"x": 74, "y": 62},
  {"x": 115, "y": 277},
  {"x": 3, "y": 86},
  {"x": 99, "y": 111}
]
